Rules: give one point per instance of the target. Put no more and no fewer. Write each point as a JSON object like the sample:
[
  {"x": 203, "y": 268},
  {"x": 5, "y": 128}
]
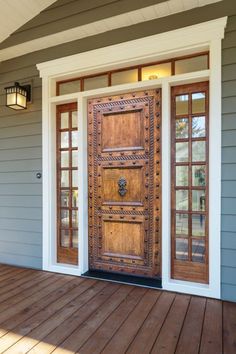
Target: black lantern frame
[{"x": 17, "y": 96}]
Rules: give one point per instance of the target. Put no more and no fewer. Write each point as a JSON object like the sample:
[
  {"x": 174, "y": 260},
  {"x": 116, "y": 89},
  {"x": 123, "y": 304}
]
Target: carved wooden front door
[{"x": 125, "y": 183}]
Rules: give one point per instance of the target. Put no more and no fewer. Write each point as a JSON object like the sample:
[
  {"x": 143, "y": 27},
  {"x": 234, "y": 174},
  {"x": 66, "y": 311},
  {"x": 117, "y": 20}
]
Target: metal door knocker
[{"x": 122, "y": 184}]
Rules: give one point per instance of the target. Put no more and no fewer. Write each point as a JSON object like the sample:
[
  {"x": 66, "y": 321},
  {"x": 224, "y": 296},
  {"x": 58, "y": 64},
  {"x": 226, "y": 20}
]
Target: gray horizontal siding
[
  {"x": 228, "y": 225},
  {"x": 20, "y": 190},
  {"x": 228, "y": 292}
]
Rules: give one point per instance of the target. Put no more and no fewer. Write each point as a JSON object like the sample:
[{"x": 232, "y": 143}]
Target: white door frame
[{"x": 205, "y": 36}]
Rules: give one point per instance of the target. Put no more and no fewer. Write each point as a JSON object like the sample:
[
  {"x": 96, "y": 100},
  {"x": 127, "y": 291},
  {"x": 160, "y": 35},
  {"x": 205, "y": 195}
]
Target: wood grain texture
[
  {"x": 124, "y": 159},
  {"x": 63, "y": 314},
  {"x": 229, "y": 327},
  {"x": 211, "y": 341}
]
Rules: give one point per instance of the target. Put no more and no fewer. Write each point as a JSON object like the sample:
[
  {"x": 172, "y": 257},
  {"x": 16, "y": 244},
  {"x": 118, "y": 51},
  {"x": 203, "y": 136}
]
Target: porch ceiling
[
  {"x": 14, "y": 10},
  {"x": 15, "y": 13}
]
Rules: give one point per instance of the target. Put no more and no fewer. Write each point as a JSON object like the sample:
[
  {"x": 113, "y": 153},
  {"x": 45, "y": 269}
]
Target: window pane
[
  {"x": 64, "y": 158},
  {"x": 65, "y": 219},
  {"x": 198, "y": 225},
  {"x": 181, "y": 200},
  {"x": 65, "y": 120},
  {"x": 198, "y": 151},
  {"x": 181, "y": 152},
  {"x": 198, "y": 102},
  {"x": 181, "y": 224},
  {"x": 75, "y": 178},
  {"x": 74, "y": 218},
  {"x": 199, "y": 175},
  {"x": 156, "y": 71},
  {"x": 124, "y": 77},
  {"x": 181, "y": 104},
  {"x": 65, "y": 238},
  {"x": 181, "y": 128},
  {"x": 181, "y": 175},
  {"x": 74, "y": 119},
  {"x": 74, "y": 137},
  {"x": 65, "y": 198},
  {"x": 198, "y": 127},
  {"x": 95, "y": 82},
  {"x": 69, "y": 87},
  {"x": 75, "y": 238},
  {"x": 65, "y": 139},
  {"x": 198, "y": 251},
  {"x": 75, "y": 199},
  {"x": 65, "y": 179},
  {"x": 74, "y": 158},
  {"x": 198, "y": 200},
  {"x": 181, "y": 248},
  {"x": 191, "y": 64}
]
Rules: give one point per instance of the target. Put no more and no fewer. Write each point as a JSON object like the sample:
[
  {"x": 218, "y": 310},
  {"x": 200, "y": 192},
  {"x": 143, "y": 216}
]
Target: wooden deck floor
[{"x": 43, "y": 312}]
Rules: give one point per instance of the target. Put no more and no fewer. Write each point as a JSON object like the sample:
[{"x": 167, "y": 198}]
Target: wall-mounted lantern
[{"x": 17, "y": 96}]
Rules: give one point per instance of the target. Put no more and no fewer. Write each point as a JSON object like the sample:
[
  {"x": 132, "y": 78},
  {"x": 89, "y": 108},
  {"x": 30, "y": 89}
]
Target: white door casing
[{"x": 192, "y": 39}]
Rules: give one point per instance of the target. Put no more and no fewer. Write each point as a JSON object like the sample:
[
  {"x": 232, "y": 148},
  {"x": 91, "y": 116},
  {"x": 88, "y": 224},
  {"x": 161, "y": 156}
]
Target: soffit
[
  {"x": 149, "y": 13},
  {"x": 15, "y": 13}
]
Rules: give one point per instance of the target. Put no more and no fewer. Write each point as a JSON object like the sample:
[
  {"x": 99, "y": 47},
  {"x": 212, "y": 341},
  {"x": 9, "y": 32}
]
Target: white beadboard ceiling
[
  {"x": 159, "y": 10},
  {"x": 15, "y": 13}
]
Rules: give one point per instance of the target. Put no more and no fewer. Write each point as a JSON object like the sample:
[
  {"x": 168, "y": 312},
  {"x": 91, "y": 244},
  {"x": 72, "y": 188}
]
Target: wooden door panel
[
  {"x": 133, "y": 193},
  {"x": 118, "y": 133},
  {"x": 125, "y": 183},
  {"x": 122, "y": 239}
]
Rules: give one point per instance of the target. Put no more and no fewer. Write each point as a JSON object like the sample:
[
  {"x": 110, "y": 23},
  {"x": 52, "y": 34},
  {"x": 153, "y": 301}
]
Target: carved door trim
[{"x": 132, "y": 207}]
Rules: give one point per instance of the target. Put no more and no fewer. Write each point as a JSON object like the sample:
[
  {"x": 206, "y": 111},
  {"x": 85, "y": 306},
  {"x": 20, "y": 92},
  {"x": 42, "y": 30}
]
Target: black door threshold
[{"x": 127, "y": 279}]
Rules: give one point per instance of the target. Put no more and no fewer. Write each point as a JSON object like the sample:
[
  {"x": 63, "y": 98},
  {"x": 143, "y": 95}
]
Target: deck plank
[
  {"x": 229, "y": 327},
  {"x": 147, "y": 335},
  {"x": 40, "y": 319},
  {"x": 132, "y": 324},
  {"x": 7, "y": 273},
  {"x": 20, "y": 291},
  {"x": 44, "y": 313},
  {"x": 101, "y": 290},
  {"x": 97, "y": 342},
  {"x": 20, "y": 300},
  {"x": 82, "y": 325},
  {"x": 14, "y": 280},
  {"x": 168, "y": 337},
  {"x": 53, "y": 292},
  {"x": 190, "y": 337},
  {"x": 211, "y": 342}
]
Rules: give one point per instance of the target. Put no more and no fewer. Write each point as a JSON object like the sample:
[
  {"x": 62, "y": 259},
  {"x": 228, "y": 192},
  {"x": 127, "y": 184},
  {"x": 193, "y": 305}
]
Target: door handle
[{"x": 122, "y": 183}]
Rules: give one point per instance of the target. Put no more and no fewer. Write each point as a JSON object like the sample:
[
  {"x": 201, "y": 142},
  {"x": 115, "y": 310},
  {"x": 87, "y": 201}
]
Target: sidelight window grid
[
  {"x": 67, "y": 186},
  {"x": 189, "y": 194}
]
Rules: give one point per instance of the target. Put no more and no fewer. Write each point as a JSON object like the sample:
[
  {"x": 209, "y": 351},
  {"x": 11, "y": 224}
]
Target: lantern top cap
[{"x": 16, "y": 84}]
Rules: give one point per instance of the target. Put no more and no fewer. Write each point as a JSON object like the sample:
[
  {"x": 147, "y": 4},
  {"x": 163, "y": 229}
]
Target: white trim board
[
  {"x": 193, "y": 38},
  {"x": 156, "y": 47},
  {"x": 148, "y": 13}
]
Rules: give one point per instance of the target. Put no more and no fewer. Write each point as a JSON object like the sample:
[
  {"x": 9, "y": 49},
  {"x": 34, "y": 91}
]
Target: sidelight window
[
  {"x": 67, "y": 184},
  {"x": 190, "y": 182}
]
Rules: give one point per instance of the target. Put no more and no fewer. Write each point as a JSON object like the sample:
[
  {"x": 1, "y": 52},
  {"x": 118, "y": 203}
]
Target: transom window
[{"x": 150, "y": 71}]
